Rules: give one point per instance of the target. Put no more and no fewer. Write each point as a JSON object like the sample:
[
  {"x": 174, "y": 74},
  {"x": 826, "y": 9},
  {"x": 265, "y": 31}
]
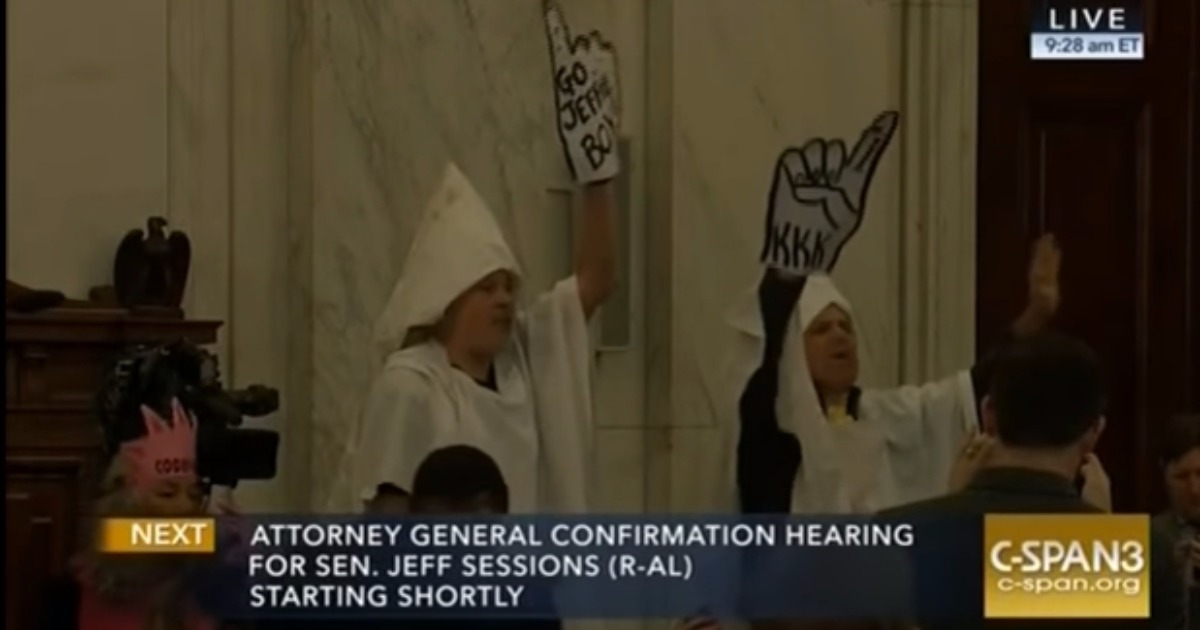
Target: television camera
[{"x": 226, "y": 452}]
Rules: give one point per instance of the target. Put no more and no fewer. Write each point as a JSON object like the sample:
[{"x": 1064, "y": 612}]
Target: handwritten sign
[
  {"x": 818, "y": 197},
  {"x": 587, "y": 99}
]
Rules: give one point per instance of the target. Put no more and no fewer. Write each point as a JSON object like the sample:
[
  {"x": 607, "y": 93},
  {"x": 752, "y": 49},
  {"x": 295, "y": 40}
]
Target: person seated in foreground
[
  {"x": 1043, "y": 416},
  {"x": 1180, "y": 462}
]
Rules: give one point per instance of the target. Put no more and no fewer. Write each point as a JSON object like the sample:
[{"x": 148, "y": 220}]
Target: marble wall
[
  {"x": 296, "y": 142},
  {"x": 87, "y": 143},
  {"x": 126, "y": 109}
]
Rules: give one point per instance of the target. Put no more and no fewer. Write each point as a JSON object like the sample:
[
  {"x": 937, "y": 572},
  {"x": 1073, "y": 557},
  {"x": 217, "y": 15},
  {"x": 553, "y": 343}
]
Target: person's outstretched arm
[
  {"x": 768, "y": 458},
  {"x": 596, "y": 244},
  {"x": 587, "y": 104}
]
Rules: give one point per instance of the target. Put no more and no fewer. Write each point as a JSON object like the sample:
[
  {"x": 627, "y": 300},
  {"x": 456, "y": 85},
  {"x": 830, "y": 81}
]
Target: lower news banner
[{"x": 587, "y": 567}]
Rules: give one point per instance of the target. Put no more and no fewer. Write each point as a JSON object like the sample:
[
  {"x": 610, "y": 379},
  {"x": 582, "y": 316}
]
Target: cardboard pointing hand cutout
[
  {"x": 818, "y": 197},
  {"x": 587, "y": 98}
]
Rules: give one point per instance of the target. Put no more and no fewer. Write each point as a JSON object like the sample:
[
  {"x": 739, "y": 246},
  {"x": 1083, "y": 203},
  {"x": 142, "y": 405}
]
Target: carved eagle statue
[{"x": 151, "y": 267}]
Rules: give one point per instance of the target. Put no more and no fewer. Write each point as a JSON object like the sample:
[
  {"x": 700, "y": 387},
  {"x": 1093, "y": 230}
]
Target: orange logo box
[
  {"x": 1067, "y": 566},
  {"x": 159, "y": 535}
]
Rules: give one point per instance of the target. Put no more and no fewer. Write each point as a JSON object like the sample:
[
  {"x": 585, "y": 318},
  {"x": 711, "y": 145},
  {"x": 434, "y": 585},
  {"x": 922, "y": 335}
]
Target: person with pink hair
[{"x": 153, "y": 475}]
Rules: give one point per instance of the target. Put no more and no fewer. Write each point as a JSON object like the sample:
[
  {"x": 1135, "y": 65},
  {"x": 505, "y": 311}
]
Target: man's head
[
  {"x": 1046, "y": 396},
  {"x": 831, "y": 347},
  {"x": 830, "y": 341},
  {"x": 459, "y": 479},
  {"x": 480, "y": 320},
  {"x": 449, "y": 276},
  {"x": 1180, "y": 461}
]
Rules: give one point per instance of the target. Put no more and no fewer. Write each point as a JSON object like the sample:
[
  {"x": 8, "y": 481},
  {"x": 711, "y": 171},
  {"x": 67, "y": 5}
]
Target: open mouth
[{"x": 842, "y": 355}]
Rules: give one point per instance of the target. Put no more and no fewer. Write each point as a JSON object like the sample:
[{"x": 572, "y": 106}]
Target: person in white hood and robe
[
  {"x": 809, "y": 440},
  {"x": 466, "y": 363}
]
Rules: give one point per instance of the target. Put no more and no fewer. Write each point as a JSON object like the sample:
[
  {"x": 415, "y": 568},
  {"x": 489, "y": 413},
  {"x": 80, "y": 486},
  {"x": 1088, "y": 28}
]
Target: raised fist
[
  {"x": 587, "y": 98},
  {"x": 818, "y": 196},
  {"x": 1044, "y": 294}
]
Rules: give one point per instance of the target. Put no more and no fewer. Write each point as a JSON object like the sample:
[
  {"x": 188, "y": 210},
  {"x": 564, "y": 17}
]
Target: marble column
[
  {"x": 199, "y": 151},
  {"x": 261, "y": 325},
  {"x": 937, "y": 290}
]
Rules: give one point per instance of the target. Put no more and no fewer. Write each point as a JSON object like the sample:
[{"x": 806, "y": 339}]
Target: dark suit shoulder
[
  {"x": 977, "y": 503},
  {"x": 945, "y": 505}
]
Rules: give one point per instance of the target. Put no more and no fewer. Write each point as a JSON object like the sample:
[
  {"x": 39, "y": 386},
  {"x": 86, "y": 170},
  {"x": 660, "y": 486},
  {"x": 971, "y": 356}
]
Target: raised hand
[
  {"x": 1043, "y": 276},
  {"x": 818, "y": 196},
  {"x": 587, "y": 98},
  {"x": 1044, "y": 296}
]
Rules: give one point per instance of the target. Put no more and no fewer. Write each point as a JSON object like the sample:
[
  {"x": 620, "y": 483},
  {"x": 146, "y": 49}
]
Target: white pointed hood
[
  {"x": 457, "y": 244},
  {"x": 845, "y": 467},
  {"x": 819, "y": 292}
]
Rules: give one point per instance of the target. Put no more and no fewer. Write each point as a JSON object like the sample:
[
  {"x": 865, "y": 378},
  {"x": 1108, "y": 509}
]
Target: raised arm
[
  {"x": 1042, "y": 305},
  {"x": 587, "y": 102},
  {"x": 596, "y": 244},
  {"x": 767, "y": 457}
]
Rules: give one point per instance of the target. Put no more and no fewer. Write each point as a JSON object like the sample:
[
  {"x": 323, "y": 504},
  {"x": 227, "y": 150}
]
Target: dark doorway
[{"x": 1104, "y": 154}]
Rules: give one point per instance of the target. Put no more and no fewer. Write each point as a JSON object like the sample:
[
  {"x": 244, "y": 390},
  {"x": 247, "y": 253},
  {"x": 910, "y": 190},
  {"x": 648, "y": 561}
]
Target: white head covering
[
  {"x": 820, "y": 292},
  {"x": 845, "y": 467},
  {"x": 457, "y": 244}
]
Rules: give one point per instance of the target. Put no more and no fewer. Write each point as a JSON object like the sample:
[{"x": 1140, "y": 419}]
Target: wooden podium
[{"x": 57, "y": 361}]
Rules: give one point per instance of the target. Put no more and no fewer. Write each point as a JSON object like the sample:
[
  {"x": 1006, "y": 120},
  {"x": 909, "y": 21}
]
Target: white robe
[
  {"x": 537, "y": 424},
  {"x": 900, "y": 448}
]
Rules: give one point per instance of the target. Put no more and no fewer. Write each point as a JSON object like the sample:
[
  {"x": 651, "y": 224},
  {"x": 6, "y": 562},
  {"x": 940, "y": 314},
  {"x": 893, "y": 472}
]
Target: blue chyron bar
[
  {"x": 1079, "y": 30},
  {"x": 594, "y": 567}
]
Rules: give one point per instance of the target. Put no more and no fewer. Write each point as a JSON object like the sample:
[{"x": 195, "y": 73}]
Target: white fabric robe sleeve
[
  {"x": 397, "y": 432},
  {"x": 925, "y": 426},
  {"x": 558, "y": 342}
]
